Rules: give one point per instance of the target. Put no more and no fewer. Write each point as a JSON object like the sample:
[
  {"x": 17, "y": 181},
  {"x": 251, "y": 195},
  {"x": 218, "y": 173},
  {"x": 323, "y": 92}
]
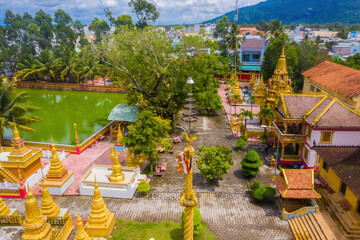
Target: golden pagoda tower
[
  {"x": 117, "y": 175},
  {"x": 253, "y": 81},
  {"x": 48, "y": 207},
  {"x": 188, "y": 197},
  {"x": 101, "y": 221},
  {"x": 35, "y": 225},
  {"x": 17, "y": 143},
  {"x": 4, "y": 209},
  {"x": 120, "y": 137},
  {"x": 130, "y": 160},
  {"x": 260, "y": 91},
  {"x": 280, "y": 82},
  {"x": 80, "y": 233},
  {"x": 58, "y": 177}
]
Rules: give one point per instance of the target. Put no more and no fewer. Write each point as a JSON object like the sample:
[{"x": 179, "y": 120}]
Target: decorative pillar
[
  {"x": 188, "y": 197},
  {"x": 286, "y": 128},
  {"x": 22, "y": 188},
  {"x": 282, "y": 151},
  {"x": 77, "y": 139}
]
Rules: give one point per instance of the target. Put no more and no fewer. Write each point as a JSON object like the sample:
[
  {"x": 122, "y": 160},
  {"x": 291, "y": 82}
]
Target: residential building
[
  {"x": 252, "y": 54},
  {"x": 354, "y": 35}
]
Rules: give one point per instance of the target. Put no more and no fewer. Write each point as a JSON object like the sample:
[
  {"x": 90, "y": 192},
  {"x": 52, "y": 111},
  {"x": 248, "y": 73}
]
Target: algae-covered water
[{"x": 60, "y": 109}]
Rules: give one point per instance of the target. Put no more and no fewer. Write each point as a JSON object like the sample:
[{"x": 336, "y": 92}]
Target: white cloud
[{"x": 171, "y": 12}]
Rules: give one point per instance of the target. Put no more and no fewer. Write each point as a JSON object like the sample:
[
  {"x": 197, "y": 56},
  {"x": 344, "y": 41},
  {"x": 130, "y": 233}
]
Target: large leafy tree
[
  {"x": 100, "y": 27},
  {"x": 145, "y": 134},
  {"x": 251, "y": 164},
  {"x": 13, "y": 107},
  {"x": 155, "y": 71},
  {"x": 45, "y": 34},
  {"x": 214, "y": 162},
  {"x": 222, "y": 27},
  {"x": 145, "y": 12},
  {"x": 65, "y": 35},
  {"x": 275, "y": 28}
]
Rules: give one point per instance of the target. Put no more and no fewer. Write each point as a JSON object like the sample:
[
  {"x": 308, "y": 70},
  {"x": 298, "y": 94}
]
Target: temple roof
[
  {"x": 253, "y": 44},
  {"x": 124, "y": 113},
  {"x": 345, "y": 161},
  {"x": 341, "y": 79},
  {"x": 296, "y": 183},
  {"x": 296, "y": 104}
]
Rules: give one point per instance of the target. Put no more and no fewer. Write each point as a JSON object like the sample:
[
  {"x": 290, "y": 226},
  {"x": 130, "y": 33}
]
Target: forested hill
[{"x": 299, "y": 11}]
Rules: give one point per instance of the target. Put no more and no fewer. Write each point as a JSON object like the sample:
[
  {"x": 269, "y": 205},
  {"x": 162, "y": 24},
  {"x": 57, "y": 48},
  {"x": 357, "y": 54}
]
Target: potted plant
[{"x": 264, "y": 141}]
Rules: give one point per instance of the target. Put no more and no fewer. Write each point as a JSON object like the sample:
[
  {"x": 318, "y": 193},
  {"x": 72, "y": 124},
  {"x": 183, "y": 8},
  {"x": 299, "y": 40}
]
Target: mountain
[{"x": 299, "y": 11}]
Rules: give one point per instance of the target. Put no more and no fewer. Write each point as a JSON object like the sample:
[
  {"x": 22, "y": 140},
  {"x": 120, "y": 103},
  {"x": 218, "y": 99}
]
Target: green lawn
[{"x": 159, "y": 231}]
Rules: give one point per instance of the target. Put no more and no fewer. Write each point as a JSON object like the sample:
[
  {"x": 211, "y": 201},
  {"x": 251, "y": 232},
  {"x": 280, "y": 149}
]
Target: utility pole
[{"x": 236, "y": 17}]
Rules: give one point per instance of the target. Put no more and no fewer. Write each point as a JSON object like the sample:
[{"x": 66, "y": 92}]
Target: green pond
[{"x": 60, "y": 109}]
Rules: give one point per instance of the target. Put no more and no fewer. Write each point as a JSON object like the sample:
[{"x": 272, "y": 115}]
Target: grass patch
[{"x": 159, "y": 231}]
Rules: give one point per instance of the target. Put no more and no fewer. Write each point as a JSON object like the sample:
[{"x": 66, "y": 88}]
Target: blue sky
[{"x": 171, "y": 11}]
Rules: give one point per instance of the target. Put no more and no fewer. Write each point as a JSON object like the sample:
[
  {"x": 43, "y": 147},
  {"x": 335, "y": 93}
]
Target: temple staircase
[
  {"x": 311, "y": 227},
  {"x": 8, "y": 175}
]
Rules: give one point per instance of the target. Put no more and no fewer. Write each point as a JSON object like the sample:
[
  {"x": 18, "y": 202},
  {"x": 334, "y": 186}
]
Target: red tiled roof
[
  {"x": 253, "y": 44},
  {"x": 341, "y": 79},
  {"x": 298, "y": 105},
  {"x": 300, "y": 184}
]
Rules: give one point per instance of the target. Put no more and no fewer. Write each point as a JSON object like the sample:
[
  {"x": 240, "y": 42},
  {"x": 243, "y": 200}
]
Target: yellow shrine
[
  {"x": 80, "y": 233},
  {"x": 117, "y": 175},
  {"x": 18, "y": 156},
  {"x": 279, "y": 82},
  {"x": 101, "y": 222},
  {"x": 58, "y": 177},
  {"x": 260, "y": 91},
  {"x": 35, "y": 225}
]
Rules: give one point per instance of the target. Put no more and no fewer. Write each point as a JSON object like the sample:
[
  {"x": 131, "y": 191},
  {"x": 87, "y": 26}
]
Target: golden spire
[
  {"x": 17, "y": 143},
  {"x": 48, "y": 207},
  {"x": 4, "y": 209},
  {"x": 129, "y": 158},
  {"x": 117, "y": 175},
  {"x": 101, "y": 221},
  {"x": 35, "y": 225},
  {"x": 57, "y": 170},
  {"x": 119, "y": 137},
  {"x": 281, "y": 65},
  {"x": 80, "y": 233},
  {"x": 283, "y": 52},
  {"x": 16, "y": 132}
]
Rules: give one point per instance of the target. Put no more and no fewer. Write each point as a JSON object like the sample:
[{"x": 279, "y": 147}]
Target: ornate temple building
[
  {"x": 58, "y": 177},
  {"x": 18, "y": 163}
]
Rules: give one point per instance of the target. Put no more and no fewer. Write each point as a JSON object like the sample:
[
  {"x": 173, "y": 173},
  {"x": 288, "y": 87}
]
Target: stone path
[{"x": 226, "y": 206}]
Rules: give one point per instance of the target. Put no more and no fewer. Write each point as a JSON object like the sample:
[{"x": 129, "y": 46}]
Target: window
[
  {"x": 326, "y": 137},
  {"x": 343, "y": 188},
  {"x": 309, "y": 133},
  {"x": 325, "y": 166},
  {"x": 256, "y": 57},
  {"x": 312, "y": 88},
  {"x": 306, "y": 154},
  {"x": 281, "y": 77},
  {"x": 246, "y": 57}
]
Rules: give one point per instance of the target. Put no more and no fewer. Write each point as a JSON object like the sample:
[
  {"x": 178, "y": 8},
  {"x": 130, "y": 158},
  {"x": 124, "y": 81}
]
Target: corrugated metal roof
[{"x": 124, "y": 113}]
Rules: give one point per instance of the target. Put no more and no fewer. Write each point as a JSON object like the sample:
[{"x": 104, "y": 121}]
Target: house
[
  {"x": 346, "y": 48},
  {"x": 252, "y": 54},
  {"x": 336, "y": 80},
  {"x": 339, "y": 167},
  {"x": 354, "y": 35}
]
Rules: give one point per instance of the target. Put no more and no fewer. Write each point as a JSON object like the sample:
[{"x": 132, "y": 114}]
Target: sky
[{"x": 171, "y": 11}]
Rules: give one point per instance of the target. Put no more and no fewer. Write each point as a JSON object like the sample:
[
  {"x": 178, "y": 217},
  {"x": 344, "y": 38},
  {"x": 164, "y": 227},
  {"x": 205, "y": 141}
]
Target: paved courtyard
[{"x": 226, "y": 206}]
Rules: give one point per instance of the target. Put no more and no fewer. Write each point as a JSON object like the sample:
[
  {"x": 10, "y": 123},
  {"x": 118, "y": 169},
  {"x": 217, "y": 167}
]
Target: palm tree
[
  {"x": 90, "y": 66},
  {"x": 27, "y": 69},
  {"x": 233, "y": 41},
  {"x": 13, "y": 108},
  {"x": 318, "y": 39},
  {"x": 266, "y": 114},
  {"x": 251, "y": 99},
  {"x": 66, "y": 63},
  {"x": 236, "y": 97},
  {"x": 45, "y": 64},
  {"x": 275, "y": 29},
  {"x": 246, "y": 113}
]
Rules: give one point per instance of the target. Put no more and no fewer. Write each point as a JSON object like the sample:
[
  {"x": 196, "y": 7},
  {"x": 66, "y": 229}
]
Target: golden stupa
[
  {"x": 48, "y": 207},
  {"x": 101, "y": 221},
  {"x": 80, "y": 233},
  {"x": 117, "y": 175},
  {"x": 4, "y": 209}
]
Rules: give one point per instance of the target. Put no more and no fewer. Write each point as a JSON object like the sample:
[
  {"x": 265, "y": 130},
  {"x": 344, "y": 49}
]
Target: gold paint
[
  {"x": 48, "y": 207},
  {"x": 117, "y": 175},
  {"x": 4, "y": 209},
  {"x": 81, "y": 234}
]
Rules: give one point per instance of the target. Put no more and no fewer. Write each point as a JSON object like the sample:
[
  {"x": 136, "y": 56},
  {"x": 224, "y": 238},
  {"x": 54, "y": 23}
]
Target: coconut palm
[
  {"x": 275, "y": 29},
  {"x": 90, "y": 66},
  {"x": 45, "y": 64},
  {"x": 251, "y": 99},
  {"x": 246, "y": 114},
  {"x": 27, "y": 69},
  {"x": 66, "y": 63},
  {"x": 266, "y": 114},
  {"x": 13, "y": 107},
  {"x": 233, "y": 41},
  {"x": 236, "y": 97}
]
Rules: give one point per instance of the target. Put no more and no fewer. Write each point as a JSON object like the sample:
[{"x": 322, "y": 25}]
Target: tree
[
  {"x": 101, "y": 28},
  {"x": 318, "y": 40},
  {"x": 89, "y": 65},
  {"x": 275, "y": 29},
  {"x": 240, "y": 144},
  {"x": 262, "y": 25},
  {"x": 214, "y": 162},
  {"x": 144, "y": 187},
  {"x": 66, "y": 63},
  {"x": 197, "y": 220},
  {"x": 154, "y": 71},
  {"x": 27, "y": 69},
  {"x": 124, "y": 20},
  {"x": 45, "y": 64},
  {"x": 246, "y": 114},
  {"x": 251, "y": 164},
  {"x": 13, "y": 107},
  {"x": 260, "y": 192},
  {"x": 251, "y": 99},
  {"x": 233, "y": 41},
  {"x": 222, "y": 27},
  {"x": 266, "y": 115},
  {"x": 145, "y": 12},
  {"x": 45, "y": 34},
  {"x": 144, "y": 135},
  {"x": 329, "y": 45},
  {"x": 65, "y": 35}
]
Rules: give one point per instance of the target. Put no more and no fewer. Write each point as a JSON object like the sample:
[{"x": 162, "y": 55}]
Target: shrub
[
  {"x": 251, "y": 164},
  {"x": 214, "y": 161},
  {"x": 263, "y": 138},
  {"x": 198, "y": 227},
  {"x": 144, "y": 187},
  {"x": 240, "y": 144},
  {"x": 259, "y": 192},
  {"x": 244, "y": 137}
]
